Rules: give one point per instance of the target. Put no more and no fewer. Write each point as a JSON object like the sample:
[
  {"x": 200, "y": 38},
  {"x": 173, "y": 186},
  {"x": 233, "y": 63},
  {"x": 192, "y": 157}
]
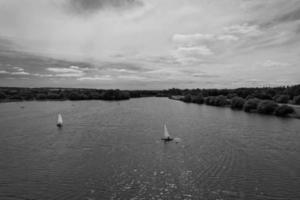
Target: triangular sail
[
  {"x": 166, "y": 133},
  {"x": 59, "y": 120}
]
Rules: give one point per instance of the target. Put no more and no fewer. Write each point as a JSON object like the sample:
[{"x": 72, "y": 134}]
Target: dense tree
[
  {"x": 74, "y": 95},
  {"x": 216, "y": 97},
  {"x": 198, "y": 99},
  {"x": 284, "y": 110},
  {"x": 187, "y": 98},
  {"x": 209, "y": 100},
  {"x": 297, "y": 100},
  {"x": 221, "y": 100},
  {"x": 251, "y": 104},
  {"x": 216, "y": 100},
  {"x": 267, "y": 107},
  {"x": 231, "y": 95},
  {"x": 53, "y": 96},
  {"x": 122, "y": 95},
  {"x": 2, "y": 95},
  {"x": 40, "y": 96},
  {"x": 282, "y": 98},
  {"x": 237, "y": 103}
]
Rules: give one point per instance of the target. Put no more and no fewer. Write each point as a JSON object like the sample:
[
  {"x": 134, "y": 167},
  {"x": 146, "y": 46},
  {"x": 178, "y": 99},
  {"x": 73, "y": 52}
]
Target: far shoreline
[
  {"x": 295, "y": 115},
  {"x": 280, "y": 101}
]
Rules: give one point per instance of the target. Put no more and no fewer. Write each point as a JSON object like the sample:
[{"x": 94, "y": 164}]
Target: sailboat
[
  {"x": 167, "y": 137},
  {"x": 59, "y": 121}
]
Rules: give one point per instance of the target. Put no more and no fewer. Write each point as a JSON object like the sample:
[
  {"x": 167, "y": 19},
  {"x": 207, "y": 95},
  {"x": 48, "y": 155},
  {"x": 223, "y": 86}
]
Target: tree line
[
  {"x": 28, "y": 94},
  {"x": 261, "y": 100},
  {"x": 236, "y": 98}
]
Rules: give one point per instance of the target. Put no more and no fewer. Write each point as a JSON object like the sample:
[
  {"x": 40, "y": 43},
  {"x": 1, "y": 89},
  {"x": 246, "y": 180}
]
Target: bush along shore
[
  {"x": 8, "y": 94},
  {"x": 30, "y": 94},
  {"x": 250, "y": 104},
  {"x": 280, "y": 101}
]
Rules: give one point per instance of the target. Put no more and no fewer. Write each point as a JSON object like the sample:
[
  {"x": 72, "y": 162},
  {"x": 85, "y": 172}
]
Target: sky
[{"x": 149, "y": 44}]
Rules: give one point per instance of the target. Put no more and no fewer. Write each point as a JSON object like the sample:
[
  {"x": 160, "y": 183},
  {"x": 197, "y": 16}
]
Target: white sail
[
  {"x": 166, "y": 133},
  {"x": 59, "y": 120}
]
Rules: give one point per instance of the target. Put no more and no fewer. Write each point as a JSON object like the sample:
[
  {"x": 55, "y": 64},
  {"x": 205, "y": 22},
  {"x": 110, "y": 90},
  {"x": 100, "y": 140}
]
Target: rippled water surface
[{"x": 112, "y": 150}]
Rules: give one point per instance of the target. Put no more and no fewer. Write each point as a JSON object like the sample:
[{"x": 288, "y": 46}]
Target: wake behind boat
[
  {"x": 167, "y": 137},
  {"x": 59, "y": 121}
]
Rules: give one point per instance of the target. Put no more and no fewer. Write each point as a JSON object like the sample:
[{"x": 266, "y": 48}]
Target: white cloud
[
  {"x": 20, "y": 73},
  {"x": 18, "y": 69},
  {"x": 227, "y": 38},
  {"x": 194, "y": 51},
  {"x": 72, "y": 71},
  {"x": 63, "y": 70},
  {"x": 74, "y": 67},
  {"x": 271, "y": 63},
  {"x": 192, "y": 38},
  {"x": 243, "y": 29},
  {"x": 95, "y": 78},
  {"x": 198, "y": 38},
  {"x": 131, "y": 77},
  {"x": 3, "y": 72},
  {"x": 190, "y": 55},
  {"x": 43, "y": 75},
  {"x": 69, "y": 75}
]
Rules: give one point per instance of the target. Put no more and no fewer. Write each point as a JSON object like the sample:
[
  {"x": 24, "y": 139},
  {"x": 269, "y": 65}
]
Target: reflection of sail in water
[{"x": 59, "y": 120}]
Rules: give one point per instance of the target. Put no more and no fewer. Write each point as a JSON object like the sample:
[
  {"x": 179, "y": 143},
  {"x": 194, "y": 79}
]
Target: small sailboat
[
  {"x": 59, "y": 121},
  {"x": 167, "y": 137}
]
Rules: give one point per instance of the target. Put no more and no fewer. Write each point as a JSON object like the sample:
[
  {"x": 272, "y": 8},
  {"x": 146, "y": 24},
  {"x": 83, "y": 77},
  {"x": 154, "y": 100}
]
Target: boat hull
[{"x": 167, "y": 139}]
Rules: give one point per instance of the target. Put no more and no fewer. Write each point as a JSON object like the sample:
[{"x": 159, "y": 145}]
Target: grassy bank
[{"x": 250, "y": 105}]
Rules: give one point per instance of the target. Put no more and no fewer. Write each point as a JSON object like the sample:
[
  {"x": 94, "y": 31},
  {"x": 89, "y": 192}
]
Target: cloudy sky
[{"x": 149, "y": 44}]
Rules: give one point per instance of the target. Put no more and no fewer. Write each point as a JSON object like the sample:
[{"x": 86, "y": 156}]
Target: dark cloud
[
  {"x": 291, "y": 16},
  {"x": 92, "y": 6},
  {"x": 7, "y": 45}
]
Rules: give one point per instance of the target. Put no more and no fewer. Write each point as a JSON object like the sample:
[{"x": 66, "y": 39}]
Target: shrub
[
  {"x": 16, "y": 97},
  {"x": 220, "y": 100},
  {"x": 115, "y": 95},
  {"x": 209, "y": 100},
  {"x": 231, "y": 95},
  {"x": 198, "y": 99},
  {"x": 41, "y": 96},
  {"x": 297, "y": 100},
  {"x": 262, "y": 95},
  {"x": 250, "y": 97},
  {"x": 267, "y": 107},
  {"x": 216, "y": 101},
  {"x": 27, "y": 96},
  {"x": 2, "y": 95},
  {"x": 53, "y": 96},
  {"x": 237, "y": 103},
  {"x": 282, "y": 98},
  {"x": 250, "y": 105},
  {"x": 76, "y": 96},
  {"x": 122, "y": 95},
  {"x": 187, "y": 98},
  {"x": 284, "y": 110}
]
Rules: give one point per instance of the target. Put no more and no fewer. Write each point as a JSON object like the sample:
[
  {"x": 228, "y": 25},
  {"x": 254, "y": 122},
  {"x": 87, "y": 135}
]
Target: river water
[{"x": 112, "y": 150}]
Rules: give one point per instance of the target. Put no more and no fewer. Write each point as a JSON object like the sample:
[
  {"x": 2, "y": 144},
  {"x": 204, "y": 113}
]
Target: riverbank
[
  {"x": 297, "y": 111},
  {"x": 269, "y": 98},
  {"x": 259, "y": 106}
]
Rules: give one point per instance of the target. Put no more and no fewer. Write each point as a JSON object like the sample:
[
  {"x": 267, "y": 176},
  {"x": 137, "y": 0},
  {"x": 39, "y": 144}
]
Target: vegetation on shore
[
  {"x": 28, "y": 94},
  {"x": 265, "y": 100},
  {"x": 269, "y": 101}
]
